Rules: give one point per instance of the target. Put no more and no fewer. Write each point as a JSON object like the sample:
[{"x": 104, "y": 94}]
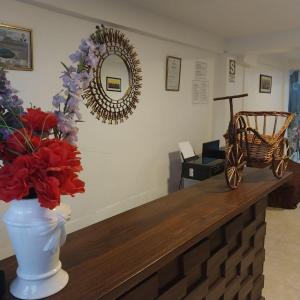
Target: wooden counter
[{"x": 203, "y": 242}]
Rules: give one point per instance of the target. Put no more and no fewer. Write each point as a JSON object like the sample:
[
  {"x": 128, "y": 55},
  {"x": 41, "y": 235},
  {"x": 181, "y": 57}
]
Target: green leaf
[{"x": 64, "y": 65}]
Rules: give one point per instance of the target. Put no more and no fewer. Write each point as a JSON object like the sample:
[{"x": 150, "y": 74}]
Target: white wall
[
  {"x": 264, "y": 101},
  {"x": 134, "y": 162},
  {"x": 248, "y": 70},
  {"x": 139, "y": 20}
]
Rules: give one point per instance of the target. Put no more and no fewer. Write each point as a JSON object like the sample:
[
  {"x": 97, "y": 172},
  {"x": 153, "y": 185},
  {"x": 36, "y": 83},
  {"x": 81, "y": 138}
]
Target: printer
[{"x": 196, "y": 167}]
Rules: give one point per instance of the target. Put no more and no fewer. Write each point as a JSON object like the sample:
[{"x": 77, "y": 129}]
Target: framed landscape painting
[
  {"x": 113, "y": 84},
  {"x": 15, "y": 48}
]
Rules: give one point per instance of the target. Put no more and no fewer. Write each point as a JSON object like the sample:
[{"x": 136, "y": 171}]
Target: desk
[
  {"x": 202, "y": 242},
  {"x": 288, "y": 195}
]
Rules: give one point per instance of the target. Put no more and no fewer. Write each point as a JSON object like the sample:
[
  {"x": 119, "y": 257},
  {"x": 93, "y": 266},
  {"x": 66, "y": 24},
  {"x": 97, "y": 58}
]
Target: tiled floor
[{"x": 282, "y": 265}]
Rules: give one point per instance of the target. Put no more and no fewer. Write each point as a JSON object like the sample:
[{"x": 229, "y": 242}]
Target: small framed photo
[
  {"x": 265, "y": 84},
  {"x": 173, "y": 72},
  {"x": 15, "y": 48},
  {"x": 113, "y": 84}
]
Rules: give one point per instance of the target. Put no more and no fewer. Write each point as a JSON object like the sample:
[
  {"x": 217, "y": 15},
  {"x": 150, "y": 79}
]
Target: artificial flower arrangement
[
  {"x": 37, "y": 151},
  {"x": 40, "y": 162},
  {"x": 37, "y": 148}
]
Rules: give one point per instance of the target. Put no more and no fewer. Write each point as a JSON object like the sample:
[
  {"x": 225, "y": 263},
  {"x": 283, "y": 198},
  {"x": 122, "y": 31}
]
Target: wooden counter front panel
[{"x": 227, "y": 265}]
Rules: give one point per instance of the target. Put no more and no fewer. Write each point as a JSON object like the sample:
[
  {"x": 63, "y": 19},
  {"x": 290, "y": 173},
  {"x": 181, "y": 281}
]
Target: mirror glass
[{"x": 114, "y": 77}]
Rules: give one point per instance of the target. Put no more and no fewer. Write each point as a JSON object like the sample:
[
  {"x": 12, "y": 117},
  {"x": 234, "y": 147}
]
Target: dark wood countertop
[{"x": 106, "y": 259}]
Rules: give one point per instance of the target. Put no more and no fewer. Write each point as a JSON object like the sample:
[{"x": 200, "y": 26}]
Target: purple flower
[
  {"x": 68, "y": 71},
  {"x": 16, "y": 100},
  {"x": 91, "y": 60},
  {"x": 85, "y": 79},
  {"x": 4, "y": 133},
  {"x": 57, "y": 100},
  {"x": 8, "y": 99},
  {"x": 75, "y": 76},
  {"x": 74, "y": 86},
  {"x": 67, "y": 127},
  {"x": 84, "y": 45},
  {"x": 72, "y": 103},
  {"x": 76, "y": 56},
  {"x": 71, "y": 69},
  {"x": 91, "y": 44},
  {"x": 64, "y": 124},
  {"x": 72, "y": 136},
  {"x": 76, "y": 79},
  {"x": 71, "y": 85}
]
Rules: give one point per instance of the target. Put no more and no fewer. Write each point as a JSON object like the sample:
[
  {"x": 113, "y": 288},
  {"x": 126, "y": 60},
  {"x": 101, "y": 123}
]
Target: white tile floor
[{"x": 282, "y": 265}]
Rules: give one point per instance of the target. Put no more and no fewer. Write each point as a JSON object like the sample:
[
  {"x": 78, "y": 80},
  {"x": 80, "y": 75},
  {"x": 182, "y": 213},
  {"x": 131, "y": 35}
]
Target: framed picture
[
  {"x": 265, "y": 84},
  {"x": 173, "y": 72},
  {"x": 113, "y": 84},
  {"x": 15, "y": 48}
]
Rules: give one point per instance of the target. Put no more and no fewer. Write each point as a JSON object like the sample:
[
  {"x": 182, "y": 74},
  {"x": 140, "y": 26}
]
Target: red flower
[
  {"x": 57, "y": 163},
  {"x": 51, "y": 171},
  {"x": 47, "y": 190},
  {"x": 18, "y": 143},
  {"x": 39, "y": 121},
  {"x": 70, "y": 184},
  {"x": 2, "y": 149},
  {"x": 22, "y": 141},
  {"x": 14, "y": 178},
  {"x": 59, "y": 155}
]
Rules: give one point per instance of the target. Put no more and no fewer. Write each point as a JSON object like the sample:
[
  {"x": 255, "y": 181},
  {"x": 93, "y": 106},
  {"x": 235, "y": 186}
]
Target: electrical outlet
[{"x": 191, "y": 172}]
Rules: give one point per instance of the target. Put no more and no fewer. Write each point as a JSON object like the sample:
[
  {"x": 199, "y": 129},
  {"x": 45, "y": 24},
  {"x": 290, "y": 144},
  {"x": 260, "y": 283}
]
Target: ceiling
[{"x": 229, "y": 18}]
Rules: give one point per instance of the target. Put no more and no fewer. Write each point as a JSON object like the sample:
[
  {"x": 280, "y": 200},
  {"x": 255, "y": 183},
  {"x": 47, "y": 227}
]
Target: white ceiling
[{"x": 229, "y": 18}]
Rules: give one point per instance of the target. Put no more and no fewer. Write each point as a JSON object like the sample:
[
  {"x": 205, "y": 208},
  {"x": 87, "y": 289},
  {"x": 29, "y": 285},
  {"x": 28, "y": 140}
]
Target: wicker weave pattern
[
  {"x": 258, "y": 151},
  {"x": 257, "y": 145}
]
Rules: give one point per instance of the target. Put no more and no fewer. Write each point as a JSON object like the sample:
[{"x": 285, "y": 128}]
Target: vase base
[{"x": 37, "y": 289}]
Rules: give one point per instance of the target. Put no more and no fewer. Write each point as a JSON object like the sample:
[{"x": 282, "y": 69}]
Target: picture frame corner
[{"x": 9, "y": 49}]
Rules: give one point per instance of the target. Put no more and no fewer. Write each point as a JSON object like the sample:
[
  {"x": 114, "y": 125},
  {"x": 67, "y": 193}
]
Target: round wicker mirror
[{"x": 113, "y": 92}]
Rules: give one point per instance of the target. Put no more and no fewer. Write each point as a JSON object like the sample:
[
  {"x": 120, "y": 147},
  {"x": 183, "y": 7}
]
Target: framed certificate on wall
[{"x": 173, "y": 70}]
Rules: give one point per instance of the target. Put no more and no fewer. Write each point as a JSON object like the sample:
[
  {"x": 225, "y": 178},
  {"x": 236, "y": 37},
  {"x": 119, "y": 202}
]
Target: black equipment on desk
[
  {"x": 212, "y": 149},
  {"x": 202, "y": 167}
]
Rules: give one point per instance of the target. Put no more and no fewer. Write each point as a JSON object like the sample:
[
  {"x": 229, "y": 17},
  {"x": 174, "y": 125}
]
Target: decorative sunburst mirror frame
[{"x": 101, "y": 105}]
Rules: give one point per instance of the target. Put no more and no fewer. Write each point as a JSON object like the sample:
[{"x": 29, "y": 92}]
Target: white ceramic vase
[{"x": 36, "y": 235}]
